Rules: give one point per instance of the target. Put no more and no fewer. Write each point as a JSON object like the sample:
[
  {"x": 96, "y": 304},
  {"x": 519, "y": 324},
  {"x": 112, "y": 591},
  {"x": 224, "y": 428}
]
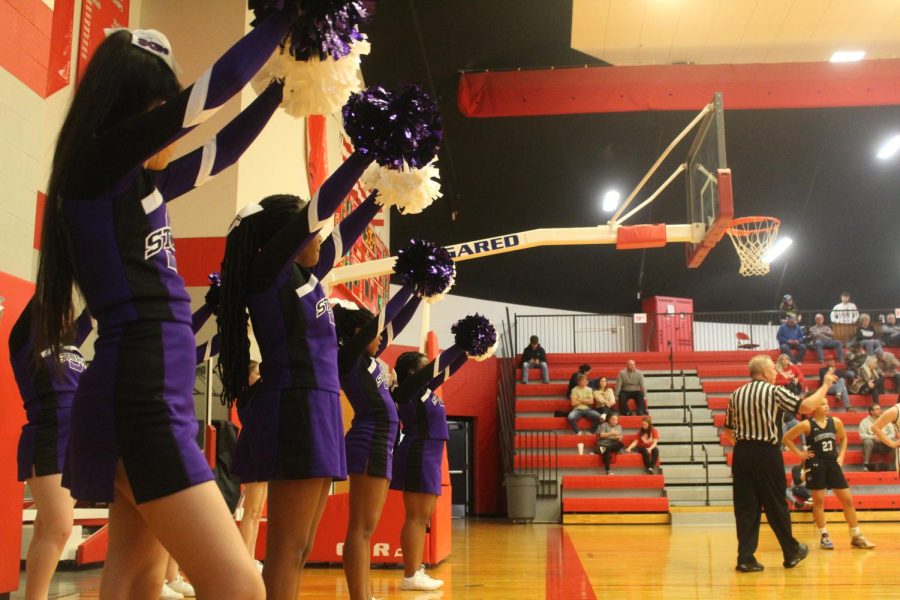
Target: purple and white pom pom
[
  {"x": 410, "y": 190},
  {"x": 324, "y": 28},
  {"x": 427, "y": 267},
  {"x": 396, "y": 129},
  {"x": 476, "y": 335}
]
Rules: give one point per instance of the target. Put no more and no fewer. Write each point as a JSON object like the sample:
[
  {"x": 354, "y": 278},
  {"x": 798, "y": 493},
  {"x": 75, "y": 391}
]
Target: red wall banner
[{"x": 97, "y": 15}]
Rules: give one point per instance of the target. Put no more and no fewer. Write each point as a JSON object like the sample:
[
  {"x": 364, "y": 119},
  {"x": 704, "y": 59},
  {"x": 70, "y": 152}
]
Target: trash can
[{"x": 521, "y": 497}]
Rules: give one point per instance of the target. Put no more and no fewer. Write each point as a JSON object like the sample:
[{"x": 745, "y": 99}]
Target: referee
[{"x": 758, "y": 467}]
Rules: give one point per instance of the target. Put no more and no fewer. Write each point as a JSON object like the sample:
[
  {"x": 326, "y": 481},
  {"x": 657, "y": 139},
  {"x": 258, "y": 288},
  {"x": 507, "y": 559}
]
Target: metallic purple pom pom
[
  {"x": 474, "y": 334},
  {"x": 425, "y": 266},
  {"x": 325, "y": 27},
  {"x": 215, "y": 279},
  {"x": 394, "y": 127}
]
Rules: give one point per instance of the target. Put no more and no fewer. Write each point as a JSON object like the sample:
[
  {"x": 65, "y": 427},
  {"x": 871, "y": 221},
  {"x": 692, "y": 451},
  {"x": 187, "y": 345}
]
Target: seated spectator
[
  {"x": 788, "y": 307},
  {"x": 798, "y": 494},
  {"x": 856, "y": 357},
  {"x": 821, "y": 336},
  {"x": 888, "y": 364},
  {"x": 845, "y": 311},
  {"x": 839, "y": 387},
  {"x": 868, "y": 380},
  {"x": 534, "y": 356},
  {"x": 788, "y": 375},
  {"x": 610, "y": 440},
  {"x": 647, "y": 441},
  {"x": 790, "y": 340},
  {"x": 871, "y": 443},
  {"x": 890, "y": 332},
  {"x": 573, "y": 380},
  {"x": 788, "y": 422},
  {"x": 630, "y": 386},
  {"x": 866, "y": 335},
  {"x": 604, "y": 399},
  {"x": 582, "y": 399}
]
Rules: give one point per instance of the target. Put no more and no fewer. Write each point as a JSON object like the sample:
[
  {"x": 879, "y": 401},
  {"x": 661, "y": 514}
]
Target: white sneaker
[
  {"x": 169, "y": 594},
  {"x": 420, "y": 582},
  {"x": 259, "y": 566},
  {"x": 180, "y": 586}
]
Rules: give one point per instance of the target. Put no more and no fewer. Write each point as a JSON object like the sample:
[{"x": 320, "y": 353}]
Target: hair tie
[{"x": 250, "y": 209}]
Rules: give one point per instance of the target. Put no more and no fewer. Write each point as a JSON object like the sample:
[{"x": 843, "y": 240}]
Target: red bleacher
[
  {"x": 615, "y": 505},
  {"x": 594, "y": 482}
]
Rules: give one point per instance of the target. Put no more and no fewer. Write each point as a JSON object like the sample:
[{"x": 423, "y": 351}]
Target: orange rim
[{"x": 766, "y": 225}]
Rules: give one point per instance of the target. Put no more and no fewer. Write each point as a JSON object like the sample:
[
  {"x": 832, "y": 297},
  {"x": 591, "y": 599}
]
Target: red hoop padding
[{"x": 633, "y": 237}]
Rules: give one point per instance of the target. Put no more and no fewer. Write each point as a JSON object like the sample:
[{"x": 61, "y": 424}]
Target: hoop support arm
[{"x": 561, "y": 236}]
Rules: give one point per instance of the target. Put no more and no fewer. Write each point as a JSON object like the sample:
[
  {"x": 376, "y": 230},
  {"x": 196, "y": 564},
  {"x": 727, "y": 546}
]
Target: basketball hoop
[{"x": 752, "y": 237}]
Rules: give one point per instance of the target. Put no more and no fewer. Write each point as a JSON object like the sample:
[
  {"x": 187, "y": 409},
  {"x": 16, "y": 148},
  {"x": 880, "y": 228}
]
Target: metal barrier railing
[
  {"x": 675, "y": 332},
  {"x": 506, "y": 396},
  {"x": 706, "y": 469},
  {"x": 537, "y": 453}
]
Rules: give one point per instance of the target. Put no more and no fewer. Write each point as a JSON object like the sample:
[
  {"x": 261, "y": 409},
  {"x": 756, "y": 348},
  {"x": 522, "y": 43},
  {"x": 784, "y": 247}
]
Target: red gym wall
[{"x": 472, "y": 393}]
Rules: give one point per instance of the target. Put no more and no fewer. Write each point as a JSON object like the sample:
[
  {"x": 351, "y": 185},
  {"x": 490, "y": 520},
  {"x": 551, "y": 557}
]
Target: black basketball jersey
[{"x": 823, "y": 440}]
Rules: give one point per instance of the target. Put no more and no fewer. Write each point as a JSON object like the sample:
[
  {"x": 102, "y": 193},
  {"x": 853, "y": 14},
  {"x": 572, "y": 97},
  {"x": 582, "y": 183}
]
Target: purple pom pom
[
  {"x": 474, "y": 334},
  {"x": 394, "y": 127},
  {"x": 426, "y": 266},
  {"x": 215, "y": 279},
  {"x": 325, "y": 27}
]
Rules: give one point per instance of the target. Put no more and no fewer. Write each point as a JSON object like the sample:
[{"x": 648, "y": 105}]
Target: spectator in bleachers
[
  {"x": 890, "y": 332},
  {"x": 889, "y": 417},
  {"x": 789, "y": 421},
  {"x": 789, "y": 375},
  {"x": 646, "y": 441},
  {"x": 868, "y": 380},
  {"x": 845, "y": 311},
  {"x": 610, "y": 440},
  {"x": 855, "y": 358},
  {"x": 790, "y": 340},
  {"x": 788, "y": 307},
  {"x": 867, "y": 336},
  {"x": 585, "y": 370},
  {"x": 839, "y": 387},
  {"x": 889, "y": 364},
  {"x": 604, "y": 399},
  {"x": 821, "y": 336},
  {"x": 870, "y": 441},
  {"x": 630, "y": 386},
  {"x": 798, "y": 494},
  {"x": 534, "y": 356},
  {"x": 582, "y": 399}
]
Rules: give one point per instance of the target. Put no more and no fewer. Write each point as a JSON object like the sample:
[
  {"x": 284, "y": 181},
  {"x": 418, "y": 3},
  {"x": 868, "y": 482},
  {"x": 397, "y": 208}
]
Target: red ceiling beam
[{"x": 678, "y": 87}]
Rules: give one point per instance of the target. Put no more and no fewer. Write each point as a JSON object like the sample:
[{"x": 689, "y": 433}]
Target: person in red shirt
[
  {"x": 646, "y": 442},
  {"x": 789, "y": 375}
]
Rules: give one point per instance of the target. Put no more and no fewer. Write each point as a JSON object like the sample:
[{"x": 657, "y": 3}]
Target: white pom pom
[
  {"x": 313, "y": 87},
  {"x": 439, "y": 297},
  {"x": 410, "y": 190},
  {"x": 486, "y": 355}
]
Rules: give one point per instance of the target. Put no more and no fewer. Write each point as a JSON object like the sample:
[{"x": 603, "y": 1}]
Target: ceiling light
[
  {"x": 611, "y": 200},
  {"x": 844, "y": 56},
  {"x": 889, "y": 148},
  {"x": 775, "y": 251}
]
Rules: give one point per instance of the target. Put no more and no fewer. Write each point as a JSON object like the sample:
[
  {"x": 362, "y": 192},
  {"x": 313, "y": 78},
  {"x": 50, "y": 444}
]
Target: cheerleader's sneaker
[
  {"x": 420, "y": 582},
  {"x": 169, "y": 594},
  {"x": 180, "y": 586}
]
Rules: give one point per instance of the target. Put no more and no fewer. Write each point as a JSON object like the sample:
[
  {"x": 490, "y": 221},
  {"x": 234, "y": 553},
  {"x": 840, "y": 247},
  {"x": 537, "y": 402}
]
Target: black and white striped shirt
[{"x": 753, "y": 411}]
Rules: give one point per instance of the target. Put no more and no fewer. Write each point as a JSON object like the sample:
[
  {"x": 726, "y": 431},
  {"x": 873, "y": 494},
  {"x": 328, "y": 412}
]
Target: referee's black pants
[{"x": 759, "y": 483}]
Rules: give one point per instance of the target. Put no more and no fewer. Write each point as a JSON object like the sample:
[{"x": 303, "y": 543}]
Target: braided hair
[
  {"x": 241, "y": 247},
  {"x": 347, "y": 321}
]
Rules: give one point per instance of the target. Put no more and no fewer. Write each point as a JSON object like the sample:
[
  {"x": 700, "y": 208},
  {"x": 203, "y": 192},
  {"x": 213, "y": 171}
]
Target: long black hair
[
  {"x": 241, "y": 247},
  {"x": 407, "y": 364},
  {"x": 120, "y": 81},
  {"x": 347, "y": 321}
]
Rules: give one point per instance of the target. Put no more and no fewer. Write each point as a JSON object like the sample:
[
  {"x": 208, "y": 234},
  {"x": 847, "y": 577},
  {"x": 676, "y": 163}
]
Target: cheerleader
[
  {"x": 293, "y": 434},
  {"x": 362, "y": 337},
  {"x": 47, "y": 387},
  {"x": 106, "y": 230},
  {"x": 253, "y": 497},
  {"x": 418, "y": 457}
]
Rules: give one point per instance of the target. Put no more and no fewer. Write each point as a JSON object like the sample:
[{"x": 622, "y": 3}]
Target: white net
[{"x": 752, "y": 237}]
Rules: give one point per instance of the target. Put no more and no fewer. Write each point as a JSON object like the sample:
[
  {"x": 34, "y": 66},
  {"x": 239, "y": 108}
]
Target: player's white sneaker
[{"x": 421, "y": 582}]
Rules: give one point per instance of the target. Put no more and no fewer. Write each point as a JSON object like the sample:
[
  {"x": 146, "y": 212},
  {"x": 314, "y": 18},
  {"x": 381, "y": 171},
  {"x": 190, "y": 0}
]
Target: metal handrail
[
  {"x": 691, "y": 425},
  {"x": 706, "y": 469}
]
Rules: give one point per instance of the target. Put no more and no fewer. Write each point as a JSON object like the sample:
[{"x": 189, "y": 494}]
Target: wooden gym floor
[{"x": 496, "y": 561}]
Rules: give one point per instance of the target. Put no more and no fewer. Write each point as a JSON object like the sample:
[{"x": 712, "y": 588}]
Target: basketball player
[
  {"x": 825, "y": 434},
  {"x": 106, "y": 230}
]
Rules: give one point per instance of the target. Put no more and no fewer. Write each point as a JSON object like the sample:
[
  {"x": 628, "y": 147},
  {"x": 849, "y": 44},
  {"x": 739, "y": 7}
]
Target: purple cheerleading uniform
[
  {"x": 373, "y": 432},
  {"x": 294, "y": 428},
  {"x": 47, "y": 391},
  {"x": 134, "y": 402},
  {"x": 417, "y": 459}
]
